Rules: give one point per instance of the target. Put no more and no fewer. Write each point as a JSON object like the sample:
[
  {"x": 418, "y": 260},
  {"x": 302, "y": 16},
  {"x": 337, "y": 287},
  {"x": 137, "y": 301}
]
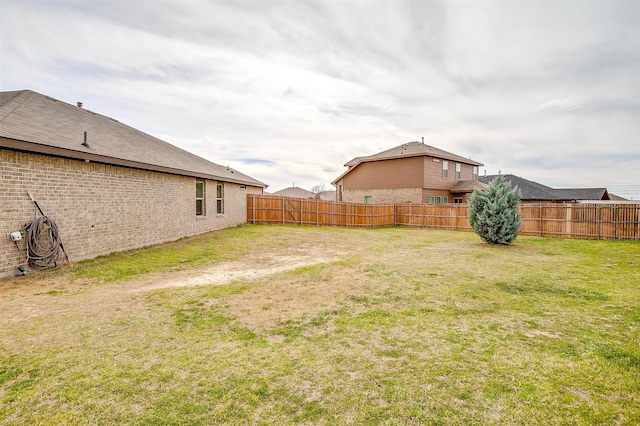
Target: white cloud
[{"x": 545, "y": 90}]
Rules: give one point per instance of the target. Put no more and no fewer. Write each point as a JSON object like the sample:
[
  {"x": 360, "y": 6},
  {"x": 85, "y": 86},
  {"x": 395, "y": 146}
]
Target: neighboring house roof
[
  {"x": 327, "y": 195},
  {"x": 410, "y": 149},
  {"x": 614, "y": 197},
  {"x": 294, "y": 192},
  {"x": 534, "y": 191},
  {"x": 36, "y": 123},
  {"x": 303, "y": 193},
  {"x": 465, "y": 186}
]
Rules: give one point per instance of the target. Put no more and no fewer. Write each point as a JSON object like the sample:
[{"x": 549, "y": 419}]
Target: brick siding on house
[
  {"x": 384, "y": 196},
  {"x": 101, "y": 208},
  {"x": 428, "y": 192}
]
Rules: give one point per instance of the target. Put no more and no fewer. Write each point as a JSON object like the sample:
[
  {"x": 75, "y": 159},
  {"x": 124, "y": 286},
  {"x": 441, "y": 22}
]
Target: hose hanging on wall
[{"x": 43, "y": 243}]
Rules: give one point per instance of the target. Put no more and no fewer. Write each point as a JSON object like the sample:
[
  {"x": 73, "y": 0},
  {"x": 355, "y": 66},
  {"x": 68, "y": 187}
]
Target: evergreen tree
[{"x": 493, "y": 214}]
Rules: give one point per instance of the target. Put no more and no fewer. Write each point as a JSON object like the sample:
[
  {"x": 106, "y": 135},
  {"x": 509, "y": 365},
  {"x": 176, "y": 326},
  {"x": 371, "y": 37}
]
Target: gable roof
[
  {"x": 466, "y": 186},
  {"x": 294, "y": 191},
  {"x": 534, "y": 191},
  {"x": 406, "y": 150},
  {"x": 412, "y": 149},
  {"x": 36, "y": 123}
]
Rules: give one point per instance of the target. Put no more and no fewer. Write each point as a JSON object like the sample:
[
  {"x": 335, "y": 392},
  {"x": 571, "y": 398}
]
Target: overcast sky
[{"x": 288, "y": 91}]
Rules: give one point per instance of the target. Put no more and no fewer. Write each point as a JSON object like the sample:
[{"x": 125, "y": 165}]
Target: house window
[
  {"x": 445, "y": 199},
  {"x": 445, "y": 169},
  {"x": 220, "y": 198},
  {"x": 438, "y": 200},
  {"x": 368, "y": 199},
  {"x": 458, "y": 169},
  {"x": 199, "y": 198},
  {"x": 457, "y": 200},
  {"x": 475, "y": 172},
  {"x": 431, "y": 199}
]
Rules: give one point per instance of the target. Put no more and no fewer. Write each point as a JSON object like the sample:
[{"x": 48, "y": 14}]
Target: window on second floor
[
  {"x": 458, "y": 170},
  {"x": 445, "y": 169},
  {"x": 475, "y": 172}
]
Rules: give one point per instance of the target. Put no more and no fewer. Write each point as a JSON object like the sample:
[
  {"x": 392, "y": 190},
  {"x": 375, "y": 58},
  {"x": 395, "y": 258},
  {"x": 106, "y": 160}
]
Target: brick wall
[
  {"x": 384, "y": 196},
  {"x": 101, "y": 208}
]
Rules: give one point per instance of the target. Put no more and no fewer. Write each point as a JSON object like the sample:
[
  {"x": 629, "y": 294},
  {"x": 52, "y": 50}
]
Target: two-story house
[{"x": 412, "y": 172}]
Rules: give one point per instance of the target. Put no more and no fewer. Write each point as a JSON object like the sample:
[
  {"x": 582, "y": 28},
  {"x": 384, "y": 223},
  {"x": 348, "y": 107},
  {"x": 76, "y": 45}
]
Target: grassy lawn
[{"x": 388, "y": 326}]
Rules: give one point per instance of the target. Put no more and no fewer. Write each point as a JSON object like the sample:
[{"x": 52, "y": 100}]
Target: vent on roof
[
  {"x": 85, "y": 143},
  {"x": 79, "y": 104}
]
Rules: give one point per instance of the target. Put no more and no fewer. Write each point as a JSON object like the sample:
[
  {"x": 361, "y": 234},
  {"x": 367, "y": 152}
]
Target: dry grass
[{"x": 264, "y": 325}]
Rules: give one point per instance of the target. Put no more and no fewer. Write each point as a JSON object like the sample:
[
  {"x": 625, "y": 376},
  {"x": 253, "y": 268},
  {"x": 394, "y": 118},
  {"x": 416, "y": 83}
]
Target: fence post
[
  {"x": 615, "y": 223},
  {"x": 395, "y": 218},
  {"x": 568, "y": 218},
  {"x": 373, "y": 215},
  {"x": 317, "y": 212},
  {"x": 253, "y": 197},
  {"x": 598, "y": 219},
  {"x": 540, "y": 219},
  {"x": 455, "y": 224},
  {"x": 346, "y": 215},
  {"x": 283, "y": 210}
]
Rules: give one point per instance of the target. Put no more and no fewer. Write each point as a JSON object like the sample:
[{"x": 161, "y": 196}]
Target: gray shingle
[
  {"x": 47, "y": 124},
  {"x": 534, "y": 191}
]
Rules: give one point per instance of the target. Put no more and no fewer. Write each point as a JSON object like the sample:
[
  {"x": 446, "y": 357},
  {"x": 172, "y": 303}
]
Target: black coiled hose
[{"x": 43, "y": 243}]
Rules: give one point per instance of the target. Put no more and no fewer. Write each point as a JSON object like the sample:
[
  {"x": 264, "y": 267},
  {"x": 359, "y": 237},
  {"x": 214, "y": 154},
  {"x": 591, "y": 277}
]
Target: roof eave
[{"x": 37, "y": 148}]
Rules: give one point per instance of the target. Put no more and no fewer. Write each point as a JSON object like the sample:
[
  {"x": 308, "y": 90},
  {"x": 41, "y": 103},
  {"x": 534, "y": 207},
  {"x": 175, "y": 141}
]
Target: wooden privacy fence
[{"x": 568, "y": 220}]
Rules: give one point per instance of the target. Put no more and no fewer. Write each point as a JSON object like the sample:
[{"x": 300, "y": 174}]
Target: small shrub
[{"x": 493, "y": 214}]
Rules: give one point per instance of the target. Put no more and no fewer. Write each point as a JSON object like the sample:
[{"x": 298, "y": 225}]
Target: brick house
[
  {"x": 108, "y": 186},
  {"x": 412, "y": 172}
]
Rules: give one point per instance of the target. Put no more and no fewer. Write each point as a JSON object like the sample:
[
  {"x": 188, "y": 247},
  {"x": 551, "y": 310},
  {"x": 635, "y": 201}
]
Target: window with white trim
[
  {"x": 457, "y": 200},
  {"x": 200, "y": 204},
  {"x": 445, "y": 169},
  {"x": 220, "y": 198},
  {"x": 475, "y": 172},
  {"x": 445, "y": 199},
  {"x": 431, "y": 199},
  {"x": 368, "y": 199},
  {"x": 458, "y": 170}
]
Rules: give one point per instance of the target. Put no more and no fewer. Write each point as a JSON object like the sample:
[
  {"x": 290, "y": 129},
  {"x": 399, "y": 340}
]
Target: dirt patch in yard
[{"x": 37, "y": 294}]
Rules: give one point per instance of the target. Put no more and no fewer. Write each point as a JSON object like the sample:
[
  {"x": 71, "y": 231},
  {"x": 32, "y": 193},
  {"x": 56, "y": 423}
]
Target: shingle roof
[
  {"x": 294, "y": 192},
  {"x": 409, "y": 149},
  {"x": 465, "y": 186},
  {"x": 534, "y": 191},
  {"x": 413, "y": 149},
  {"x": 36, "y": 123}
]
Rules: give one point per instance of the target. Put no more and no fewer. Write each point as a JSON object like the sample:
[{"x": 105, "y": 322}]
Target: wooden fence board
[{"x": 568, "y": 220}]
